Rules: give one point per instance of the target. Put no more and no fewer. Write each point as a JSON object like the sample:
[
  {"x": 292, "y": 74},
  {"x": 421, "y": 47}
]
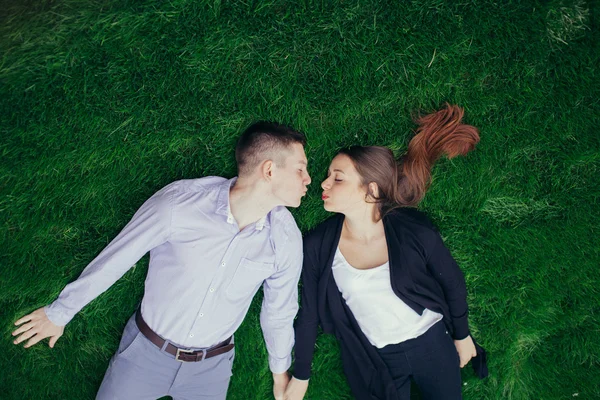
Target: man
[{"x": 212, "y": 243}]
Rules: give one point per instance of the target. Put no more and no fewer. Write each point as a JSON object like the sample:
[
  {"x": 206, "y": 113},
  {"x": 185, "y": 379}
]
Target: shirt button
[
  {"x": 191, "y": 335},
  {"x": 212, "y": 289},
  {"x": 201, "y": 315},
  {"x": 223, "y": 264}
]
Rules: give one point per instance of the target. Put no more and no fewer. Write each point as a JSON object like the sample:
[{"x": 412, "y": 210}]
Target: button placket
[
  {"x": 213, "y": 286},
  {"x": 226, "y": 255}
]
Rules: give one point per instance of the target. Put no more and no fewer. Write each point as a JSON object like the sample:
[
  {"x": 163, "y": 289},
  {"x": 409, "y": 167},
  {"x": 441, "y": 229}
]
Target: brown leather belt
[{"x": 183, "y": 355}]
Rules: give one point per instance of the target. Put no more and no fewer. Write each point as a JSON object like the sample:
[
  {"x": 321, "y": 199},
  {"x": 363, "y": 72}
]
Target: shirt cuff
[
  {"x": 302, "y": 371},
  {"x": 280, "y": 365},
  {"x": 461, "y": 327},
  {"x": 55, "y": 316}
]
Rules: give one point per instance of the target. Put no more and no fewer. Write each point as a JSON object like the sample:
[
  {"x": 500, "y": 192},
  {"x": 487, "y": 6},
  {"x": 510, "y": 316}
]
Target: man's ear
[{"x": 266, "y": 170}]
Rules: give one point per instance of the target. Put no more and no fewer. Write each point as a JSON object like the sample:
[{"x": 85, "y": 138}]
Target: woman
[{"x": 379, "y": 277}]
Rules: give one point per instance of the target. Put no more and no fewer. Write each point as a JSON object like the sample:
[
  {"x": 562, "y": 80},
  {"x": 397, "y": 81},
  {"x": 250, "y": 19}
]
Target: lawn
[{"x": 103, "y": 102}]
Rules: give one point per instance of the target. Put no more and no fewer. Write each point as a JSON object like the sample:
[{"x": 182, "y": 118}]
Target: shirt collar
[{"x": 223, "y": 207}]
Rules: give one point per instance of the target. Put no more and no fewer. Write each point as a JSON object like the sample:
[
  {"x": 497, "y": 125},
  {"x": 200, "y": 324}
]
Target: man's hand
[
  {"x": 296, "y": 389},
  {"x": 280, "y": 382},
  {"x": 35, "y": 327},
  {"x": 466, "y": 350}
]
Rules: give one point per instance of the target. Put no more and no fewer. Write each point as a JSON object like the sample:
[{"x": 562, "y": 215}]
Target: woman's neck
[{"x": 363, "y": 227}]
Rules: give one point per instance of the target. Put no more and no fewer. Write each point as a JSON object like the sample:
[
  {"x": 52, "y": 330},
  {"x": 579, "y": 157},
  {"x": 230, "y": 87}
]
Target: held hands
[
  {"x": 35, "y": 327},
  {"x": 466, "y": 350},
  {"x": 296, "y": 389},
  {"x": 280, "y": 382}
]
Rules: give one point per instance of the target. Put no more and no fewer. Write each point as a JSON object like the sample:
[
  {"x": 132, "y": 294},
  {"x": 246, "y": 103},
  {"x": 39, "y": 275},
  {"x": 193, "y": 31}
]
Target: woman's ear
[{"x": 372, "y": 192}]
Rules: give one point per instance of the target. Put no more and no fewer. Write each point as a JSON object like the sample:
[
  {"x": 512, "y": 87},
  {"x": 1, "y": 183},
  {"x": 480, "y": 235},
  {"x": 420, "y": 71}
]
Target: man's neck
[{"x": 249, "y": 202}]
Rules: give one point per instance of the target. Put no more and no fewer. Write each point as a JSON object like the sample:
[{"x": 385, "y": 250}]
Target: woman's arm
[
  {"x": 449, "y": 276},
  {"x": 305, "y": 326},
  {"x": 307, "y": 322}
]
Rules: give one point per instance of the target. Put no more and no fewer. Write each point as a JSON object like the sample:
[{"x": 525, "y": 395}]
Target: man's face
[{"x": 291, "y": 179}]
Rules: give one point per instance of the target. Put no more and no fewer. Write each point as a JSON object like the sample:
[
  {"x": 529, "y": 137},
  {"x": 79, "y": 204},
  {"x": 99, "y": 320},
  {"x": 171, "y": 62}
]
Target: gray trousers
[{"x": 140, "y": 370}]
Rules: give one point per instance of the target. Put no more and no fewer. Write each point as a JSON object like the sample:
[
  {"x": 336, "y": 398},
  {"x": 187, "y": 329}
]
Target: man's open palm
[{"x": 35, "y": 327}]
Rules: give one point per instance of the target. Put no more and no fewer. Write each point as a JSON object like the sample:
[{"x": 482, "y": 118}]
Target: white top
[{"x": 381, "y": 315}]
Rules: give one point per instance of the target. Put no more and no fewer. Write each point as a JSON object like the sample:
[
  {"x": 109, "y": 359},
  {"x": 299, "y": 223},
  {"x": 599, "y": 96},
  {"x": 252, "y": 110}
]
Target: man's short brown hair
[{"x": 264, "y": 140}]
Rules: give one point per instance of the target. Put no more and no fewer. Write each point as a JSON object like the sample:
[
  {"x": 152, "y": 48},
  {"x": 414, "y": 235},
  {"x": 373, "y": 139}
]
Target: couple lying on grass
[{"x": 376, "y": 274}]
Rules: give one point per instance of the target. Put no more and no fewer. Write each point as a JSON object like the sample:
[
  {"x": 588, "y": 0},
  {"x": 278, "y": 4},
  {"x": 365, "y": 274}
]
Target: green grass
[{"x": 104, "y": 102}]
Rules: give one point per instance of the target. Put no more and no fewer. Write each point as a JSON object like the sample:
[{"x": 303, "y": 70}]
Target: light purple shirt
[{"x": 203, "y": 270}]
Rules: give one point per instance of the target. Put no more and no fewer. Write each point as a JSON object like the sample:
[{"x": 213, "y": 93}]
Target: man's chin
[{"x": 294, "y": 204}]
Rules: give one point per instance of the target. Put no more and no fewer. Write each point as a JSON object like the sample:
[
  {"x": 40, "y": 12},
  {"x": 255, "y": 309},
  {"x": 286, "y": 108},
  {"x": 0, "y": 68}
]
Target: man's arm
[
  {"x": 149, "y": 227},
  {"x": 279, "y": 307}
]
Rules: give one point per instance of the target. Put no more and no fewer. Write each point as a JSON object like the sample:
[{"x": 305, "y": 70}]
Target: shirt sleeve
[
  {"x": 149, "y": 228},
  {"x": 280, "y": 304},
  {"x": 307, "y": 323},
  {"x": 449, "y": 276}
]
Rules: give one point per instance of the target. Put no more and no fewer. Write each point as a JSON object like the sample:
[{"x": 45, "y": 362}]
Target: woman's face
[{"x": 343, "y": 190}]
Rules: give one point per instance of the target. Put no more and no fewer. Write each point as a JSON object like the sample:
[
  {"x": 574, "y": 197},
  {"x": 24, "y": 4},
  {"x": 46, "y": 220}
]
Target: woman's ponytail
[{"x": 438, "y": 133}]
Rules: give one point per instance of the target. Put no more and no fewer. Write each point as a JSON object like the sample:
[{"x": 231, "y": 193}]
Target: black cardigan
[{"x": 423, "y": 275}]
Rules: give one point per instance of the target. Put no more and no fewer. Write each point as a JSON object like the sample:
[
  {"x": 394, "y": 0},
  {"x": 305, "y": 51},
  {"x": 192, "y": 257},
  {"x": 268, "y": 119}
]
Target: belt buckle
[{"x": 190, "y": 352}]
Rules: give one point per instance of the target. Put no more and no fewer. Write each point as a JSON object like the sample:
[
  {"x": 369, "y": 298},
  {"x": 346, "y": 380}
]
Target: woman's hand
[
  {"x": 466, "y": 350},
  {"x": 296, "y": 389}
]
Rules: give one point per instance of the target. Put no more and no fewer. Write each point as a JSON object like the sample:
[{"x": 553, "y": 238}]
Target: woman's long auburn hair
[{"x": 403, "y": 182}]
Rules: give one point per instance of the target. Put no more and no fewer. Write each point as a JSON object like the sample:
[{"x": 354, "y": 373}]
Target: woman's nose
[{"x": 325, "y": 184}]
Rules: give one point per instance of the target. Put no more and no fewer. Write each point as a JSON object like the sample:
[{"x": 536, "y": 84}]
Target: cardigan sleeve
[
  {"x": 449, "y": 276},
  {"x": 307, "y": 323}
]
